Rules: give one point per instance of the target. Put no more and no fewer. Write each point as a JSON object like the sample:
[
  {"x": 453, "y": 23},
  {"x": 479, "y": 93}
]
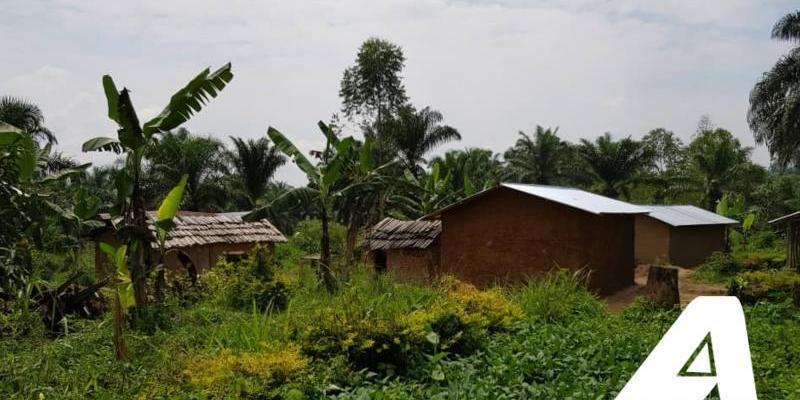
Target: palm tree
[
  {"x": 721, "y": 164},
  {"x": 26, "y": 116},
  {"x": 254, "y": 164},
  {"x": 614, "y": 164},
  {"x": 415, "y": 133},
  {"x": 774, "y": 114},
  {"x": 201, "y": 158},
  {"x": 542, "y": 159}
]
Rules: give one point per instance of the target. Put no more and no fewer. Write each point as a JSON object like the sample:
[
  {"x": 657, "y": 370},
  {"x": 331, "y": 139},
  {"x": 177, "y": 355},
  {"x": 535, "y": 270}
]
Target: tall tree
[
  {"x": 202, "y": 159},
  {"x": 413, "y": 134},
  {"x": 615, "y": 164},
  {"x": 721, "y": 164},
  {"x": 25, "y": 116},
  {"x": 667, "y": 176},
  {"x": 542, "y": 159},
  {"x": 373, "y": 88},
  {"x": 254, "y": 164},
  {"x": 774, "y": 114},
  {"x": 134, "y": 139}
]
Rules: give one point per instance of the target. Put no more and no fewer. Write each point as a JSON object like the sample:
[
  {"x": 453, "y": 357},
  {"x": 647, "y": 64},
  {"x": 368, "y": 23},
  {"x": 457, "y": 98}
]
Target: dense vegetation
[
  {"x": 259, "y": 329},
  {"x": 551, "y": 339}
]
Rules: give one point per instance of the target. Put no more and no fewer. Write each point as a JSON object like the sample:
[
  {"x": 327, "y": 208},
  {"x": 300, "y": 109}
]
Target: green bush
[
  {"x": 359, "y": 325},
  {"x": 754, "y": 260},
  {"x": 558, "y": 297},
  {"x": 773, "y": 286},
  {"x": 308, "y": 233},
  {"x": 249, "y": 283},
  {"x": 718, "y": 267}
]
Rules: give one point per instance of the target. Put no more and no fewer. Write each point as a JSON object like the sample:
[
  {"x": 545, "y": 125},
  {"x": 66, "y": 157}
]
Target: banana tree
[
  {"x": 325, "y": 185},
  {"x": 164, "y": 223},
  {"x": 133, "y": 139},
  {"x": 733, "y": 206},
  {"x": 428, "y": 193},
  {"x": 122, "y": 286}
]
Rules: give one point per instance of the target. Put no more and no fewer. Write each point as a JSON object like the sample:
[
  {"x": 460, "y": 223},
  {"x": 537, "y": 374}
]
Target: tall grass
[{"x": 558, "y": 297}]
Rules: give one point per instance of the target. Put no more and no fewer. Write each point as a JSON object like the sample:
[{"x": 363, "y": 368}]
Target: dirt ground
[{"x": 689, "y": 289}]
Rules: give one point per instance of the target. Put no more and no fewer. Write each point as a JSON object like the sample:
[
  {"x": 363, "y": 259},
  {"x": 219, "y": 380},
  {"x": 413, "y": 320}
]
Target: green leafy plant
[
  {"x": 325, "y": 184},
  {"x": 134, "y": 139}
]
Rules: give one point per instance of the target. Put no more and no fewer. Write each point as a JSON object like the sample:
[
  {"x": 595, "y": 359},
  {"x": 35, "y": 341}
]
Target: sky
[{"x": 492, "y": 68}]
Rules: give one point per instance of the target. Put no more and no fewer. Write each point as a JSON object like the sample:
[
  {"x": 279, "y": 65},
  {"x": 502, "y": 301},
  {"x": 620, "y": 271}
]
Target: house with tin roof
[
  {"x": 514, "y": 232},
  {"x": 682, "y": 235}
]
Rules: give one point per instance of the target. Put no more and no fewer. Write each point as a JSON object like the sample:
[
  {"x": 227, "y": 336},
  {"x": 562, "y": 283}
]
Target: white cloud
[{"x": 492, "y": 68}]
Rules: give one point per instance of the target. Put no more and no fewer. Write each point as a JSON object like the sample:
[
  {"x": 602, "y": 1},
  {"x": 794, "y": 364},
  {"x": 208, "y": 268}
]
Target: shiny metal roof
[
  {"x": 686, "y": 215},
  {"x": 576, "y": 198}
]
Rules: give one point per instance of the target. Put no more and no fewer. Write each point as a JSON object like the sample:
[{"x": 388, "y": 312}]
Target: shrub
[
  {"x": 558, "y": 297},
  {"x": 307, "y": 235},
  {"x": 771, "y": 286},
  {"x": 249, "y": 283},
  {"x": 489, "y": 309},
  {"x": 370, "y": 334},
  {"x": 762, "y": 259},
  {"x": 718, "y": 267},
  {"x": 250, "y": 372}
]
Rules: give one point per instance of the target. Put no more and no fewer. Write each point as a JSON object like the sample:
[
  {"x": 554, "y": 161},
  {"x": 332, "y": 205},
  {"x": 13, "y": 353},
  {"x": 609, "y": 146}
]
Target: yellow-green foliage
[
  {"x": 271, "y": 366},
  {"x": 248, "y": 282},
  {"x": 489, "y": 309},
  {"x": 372, "y": 336}
]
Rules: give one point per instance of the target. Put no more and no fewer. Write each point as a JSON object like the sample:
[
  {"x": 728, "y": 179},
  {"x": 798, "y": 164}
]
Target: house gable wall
[{"x": 508, "y": 236}]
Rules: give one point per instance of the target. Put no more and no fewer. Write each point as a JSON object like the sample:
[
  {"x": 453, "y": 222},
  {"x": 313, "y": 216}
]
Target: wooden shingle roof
[
  {"x": 392, "y": 233},
  {"x": 199, "y": 229}
]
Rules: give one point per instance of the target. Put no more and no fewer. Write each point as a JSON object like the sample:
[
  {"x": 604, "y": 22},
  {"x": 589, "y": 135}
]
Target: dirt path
[{"x": 689, "y": 289}]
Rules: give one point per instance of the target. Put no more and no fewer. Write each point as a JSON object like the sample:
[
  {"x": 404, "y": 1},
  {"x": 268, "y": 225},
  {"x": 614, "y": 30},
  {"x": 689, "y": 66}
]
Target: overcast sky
[{"x": 491, "y": 67}]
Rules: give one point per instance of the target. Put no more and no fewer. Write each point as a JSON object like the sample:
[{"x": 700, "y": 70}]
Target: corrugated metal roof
[
  {"x": 786, "y": 217},
  {"x": 392, "y": 233},
  {"x": 576, "y": 198},
  {"x": 686, "y": 215}
]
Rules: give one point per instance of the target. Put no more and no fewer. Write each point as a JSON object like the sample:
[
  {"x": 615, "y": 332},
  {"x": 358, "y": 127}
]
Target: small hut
[
  {"x": 682, "y": 235},
  {"x": 199, "y": 239},
  {"x": 410, "y": 249},
  {"x": 790, "y": 224}
]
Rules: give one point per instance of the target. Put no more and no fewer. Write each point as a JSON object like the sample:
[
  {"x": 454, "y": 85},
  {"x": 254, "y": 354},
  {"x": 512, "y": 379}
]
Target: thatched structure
[
  {"x": 201, "y": 238},
  {"x": 392, "y": 233},
  {"x": 206, "y": 229},
  {"x": 409, "y": 248}
]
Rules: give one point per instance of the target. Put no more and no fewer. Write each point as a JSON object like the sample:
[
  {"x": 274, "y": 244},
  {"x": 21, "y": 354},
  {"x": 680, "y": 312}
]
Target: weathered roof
[
  {"x": 580, "y": 199},
  {"x": 392, "y": 233},
  {"x": 198, "y": 229},
  {"x": 786, "y": 217},
  {"x": 687, "y": 215}
]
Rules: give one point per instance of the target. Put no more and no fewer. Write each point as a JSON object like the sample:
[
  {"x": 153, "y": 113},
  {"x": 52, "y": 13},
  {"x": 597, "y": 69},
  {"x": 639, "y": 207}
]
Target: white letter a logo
[{"x": 706, "y": 348}]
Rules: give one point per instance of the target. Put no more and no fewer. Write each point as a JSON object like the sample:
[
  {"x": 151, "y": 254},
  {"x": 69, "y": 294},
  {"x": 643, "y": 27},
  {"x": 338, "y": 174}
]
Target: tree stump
[{"x": 662, "y": 287}]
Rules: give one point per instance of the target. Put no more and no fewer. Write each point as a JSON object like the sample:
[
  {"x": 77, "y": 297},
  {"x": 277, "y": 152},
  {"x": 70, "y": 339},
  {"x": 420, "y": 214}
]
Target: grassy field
[{"x": 376, "y": 339}]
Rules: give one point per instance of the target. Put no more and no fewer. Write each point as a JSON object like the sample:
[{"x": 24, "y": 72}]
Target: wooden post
[
  {"x": 662, "y": 287},
  {"x": 793, "y": 244}
]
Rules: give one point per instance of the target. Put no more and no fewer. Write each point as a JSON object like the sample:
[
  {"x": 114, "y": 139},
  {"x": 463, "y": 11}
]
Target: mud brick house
[
  {"x": 410, "y": 247},
  {"x": 681, "y": 235},
  {"x": 513, "y": 232},
  {"x": 199, "y": 239}
]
